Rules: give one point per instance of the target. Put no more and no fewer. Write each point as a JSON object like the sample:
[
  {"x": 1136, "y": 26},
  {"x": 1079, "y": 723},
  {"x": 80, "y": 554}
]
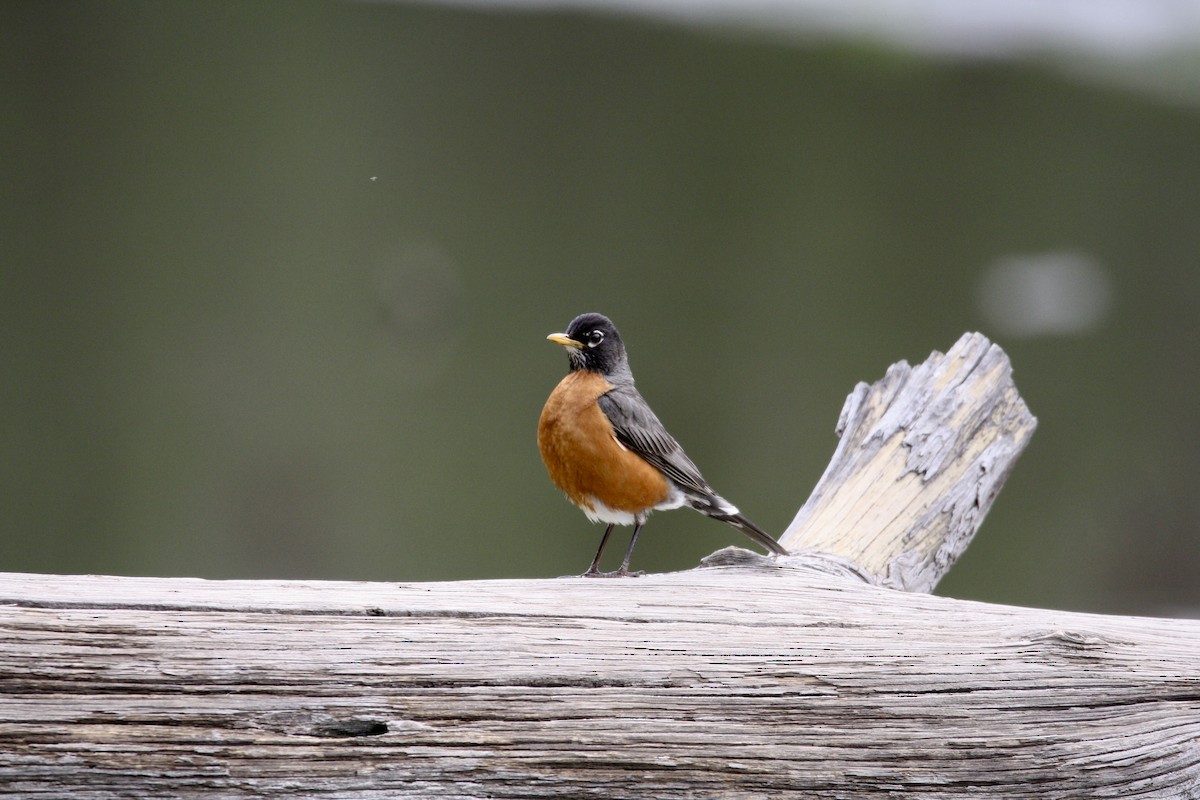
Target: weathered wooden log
[{"x": 748, "y": 678}]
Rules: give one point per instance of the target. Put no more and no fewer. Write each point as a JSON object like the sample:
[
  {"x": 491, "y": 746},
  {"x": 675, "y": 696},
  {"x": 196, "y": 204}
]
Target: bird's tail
[
  {"x": 719, "y": 508},
  {"x": 754, "y": 532}
]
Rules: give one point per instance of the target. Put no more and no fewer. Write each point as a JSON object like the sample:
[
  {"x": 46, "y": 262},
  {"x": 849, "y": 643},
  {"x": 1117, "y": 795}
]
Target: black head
[{"x": 593, "y": 344}]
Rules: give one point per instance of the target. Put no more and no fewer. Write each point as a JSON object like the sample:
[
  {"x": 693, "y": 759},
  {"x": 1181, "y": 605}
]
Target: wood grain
[
  {"x": 741, "y": 682},
  {"x": 923, "y": 454}
]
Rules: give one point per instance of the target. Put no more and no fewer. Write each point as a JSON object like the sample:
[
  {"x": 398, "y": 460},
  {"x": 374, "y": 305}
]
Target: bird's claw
[{"x": 623, "y": 572}]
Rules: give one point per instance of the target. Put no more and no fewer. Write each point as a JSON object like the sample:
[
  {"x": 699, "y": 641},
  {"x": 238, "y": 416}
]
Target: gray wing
[{"x": 640, "y": 431}]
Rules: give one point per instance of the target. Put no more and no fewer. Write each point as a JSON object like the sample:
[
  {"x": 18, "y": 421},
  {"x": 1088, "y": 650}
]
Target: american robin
[{"x": 608, "y": 452}]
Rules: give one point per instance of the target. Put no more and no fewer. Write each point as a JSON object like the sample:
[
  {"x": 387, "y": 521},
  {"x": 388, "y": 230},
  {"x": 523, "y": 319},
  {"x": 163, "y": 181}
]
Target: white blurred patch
[
  {"x": 1046, "y": 294},
  {"x": 994, "y": 28}
]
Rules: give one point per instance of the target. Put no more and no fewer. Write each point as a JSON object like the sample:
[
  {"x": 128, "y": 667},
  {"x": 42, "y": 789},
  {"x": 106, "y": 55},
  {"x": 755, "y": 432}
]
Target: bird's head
[{"x": 593, "y": 344}]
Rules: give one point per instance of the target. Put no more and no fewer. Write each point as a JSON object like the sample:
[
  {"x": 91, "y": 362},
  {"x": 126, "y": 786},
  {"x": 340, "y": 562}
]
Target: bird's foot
[{"x": 623, "y": 572}]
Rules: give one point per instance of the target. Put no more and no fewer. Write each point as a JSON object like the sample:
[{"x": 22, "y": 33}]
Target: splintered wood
[{"x": 923, "y": 454}]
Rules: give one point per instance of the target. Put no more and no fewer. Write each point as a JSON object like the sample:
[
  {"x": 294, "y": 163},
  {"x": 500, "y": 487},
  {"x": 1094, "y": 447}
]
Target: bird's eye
[{"x": 594, "y": 338}]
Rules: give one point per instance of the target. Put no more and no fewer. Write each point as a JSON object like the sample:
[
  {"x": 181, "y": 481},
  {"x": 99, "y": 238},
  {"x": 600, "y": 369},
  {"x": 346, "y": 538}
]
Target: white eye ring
[{"x": 595, "y": 338}]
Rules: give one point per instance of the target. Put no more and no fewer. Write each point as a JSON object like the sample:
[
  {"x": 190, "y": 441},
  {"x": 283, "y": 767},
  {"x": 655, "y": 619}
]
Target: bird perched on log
[{"x": 605, "y": 448}]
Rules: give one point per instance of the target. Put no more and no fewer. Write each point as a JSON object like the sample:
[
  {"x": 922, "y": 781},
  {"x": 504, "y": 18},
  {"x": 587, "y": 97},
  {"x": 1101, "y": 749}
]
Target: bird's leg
[
  {"x": 594, "y": 569},
  {"x": 623, "y": 572},
  {"x": 624, "y": 569}
]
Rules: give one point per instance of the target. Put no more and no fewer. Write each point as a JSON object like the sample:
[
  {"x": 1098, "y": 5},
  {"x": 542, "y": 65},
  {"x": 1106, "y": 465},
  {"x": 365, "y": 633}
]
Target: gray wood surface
[
  {"x": 750, "y": 681},
  {"x": 923, "y": 453},
  {"x": 746, "y": 678}
]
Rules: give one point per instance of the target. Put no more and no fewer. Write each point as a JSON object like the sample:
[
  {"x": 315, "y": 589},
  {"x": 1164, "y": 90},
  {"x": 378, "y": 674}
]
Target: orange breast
[{"x": 582, "y": 454}]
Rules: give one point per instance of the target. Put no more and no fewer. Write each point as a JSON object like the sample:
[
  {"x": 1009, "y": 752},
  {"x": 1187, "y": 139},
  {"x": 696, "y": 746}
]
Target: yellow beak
[{"x": 564, "y": 340}]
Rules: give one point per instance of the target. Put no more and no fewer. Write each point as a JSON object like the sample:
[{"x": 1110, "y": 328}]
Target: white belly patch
[{"x": 602, "y": 513}]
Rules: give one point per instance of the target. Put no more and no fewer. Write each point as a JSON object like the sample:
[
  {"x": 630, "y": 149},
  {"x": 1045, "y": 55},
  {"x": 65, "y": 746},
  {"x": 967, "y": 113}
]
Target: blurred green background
[{"x": 277, "y": 277}]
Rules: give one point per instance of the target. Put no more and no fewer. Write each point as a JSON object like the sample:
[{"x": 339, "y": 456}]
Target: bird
[{"x": 606, "y": 450}]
